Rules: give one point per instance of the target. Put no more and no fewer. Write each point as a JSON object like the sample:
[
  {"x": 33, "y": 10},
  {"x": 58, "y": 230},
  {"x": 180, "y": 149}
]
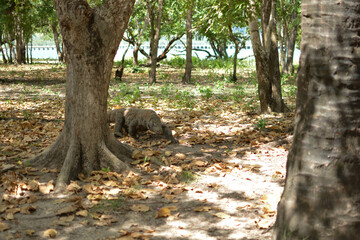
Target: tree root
[{"x": 73, "y": 157}]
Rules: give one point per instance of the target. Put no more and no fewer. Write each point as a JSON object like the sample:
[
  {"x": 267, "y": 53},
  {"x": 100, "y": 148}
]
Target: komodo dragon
[{"x": 133, "y": 120}]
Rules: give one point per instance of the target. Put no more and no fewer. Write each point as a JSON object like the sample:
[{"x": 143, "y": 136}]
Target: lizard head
[{"x": 155, "y": 125}]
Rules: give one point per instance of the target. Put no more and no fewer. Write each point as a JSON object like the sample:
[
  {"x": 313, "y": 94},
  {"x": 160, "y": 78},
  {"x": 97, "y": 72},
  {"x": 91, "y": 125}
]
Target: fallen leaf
[
  {"x": 3, "y": 226},
  {"x": 27, "y": 209},
  {"x": 29, "y": 232},
  {"x": 82, "y": 213},
  {"x": 46, "y": 189},
  {"x": 66, "y": 210},
  {"x": 140, "y": 208},
  {"x": 69, "y": 218},
  {"x": 180, "y": 156},
  {"x": 221, "y": 215},
  {"x": 202, "y": 209},
  {"x": 50, "y": 233},
  {"x": 264, "y": 223},
  {"x": 163, "y": 213},
  {"x": 168, "y": 153}
]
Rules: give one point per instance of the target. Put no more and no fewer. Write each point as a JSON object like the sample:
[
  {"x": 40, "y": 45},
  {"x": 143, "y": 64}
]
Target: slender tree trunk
[
  {"x": 264, "y": 85},
  {"x": 57, "y": 41},
  {"x": 289, "y": 67},
  {"x": 2, "y": 49},
  {"x": 188, "y": 66},
  {"x": 91, "y": 37},
  {"x": 236, "y": 42},
  {"x": 322, "y": 194},
  {"x": 155, "y": 40}
]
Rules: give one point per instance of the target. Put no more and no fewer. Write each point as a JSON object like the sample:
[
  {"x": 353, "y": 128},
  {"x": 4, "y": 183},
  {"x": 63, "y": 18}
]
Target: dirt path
[{"x": 232, "y": 197}]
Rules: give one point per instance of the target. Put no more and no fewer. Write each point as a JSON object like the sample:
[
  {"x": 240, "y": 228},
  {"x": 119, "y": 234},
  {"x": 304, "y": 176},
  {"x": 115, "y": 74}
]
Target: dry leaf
[
  {"x": 46, "y": 189},
  {"x": 29, "y": 232},
  {"x": 33, "y": 185},
  {"x": 66, "y": 210},
  {"x": 50, "y": 233},
  {"x": 202, "y": 209},
  {"x": 69, "y": 218},
  {"x": 27, "y": 209},
  {"x": 168, "y": 153},
  {"x": 140, "y": 208},
  {"x": 180, "y": 156},
  {"x": 264, "y": 223},
  {"x": 199, "y": 163},
  {"x": 3, "y": 226},
  {"x": 163, "y": 212},
  {"x": 82, "y": 213},
  {"x": 221, "y": 215}
]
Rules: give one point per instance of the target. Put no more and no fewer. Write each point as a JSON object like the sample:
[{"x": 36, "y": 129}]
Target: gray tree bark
[
  {"x": 155, "y": 37},
  {"x": 91, "y": 37},
  {"x": 322, "y": 194},
  {"x": 266, "y": 57},
  {"x": 188, "y": 66}
]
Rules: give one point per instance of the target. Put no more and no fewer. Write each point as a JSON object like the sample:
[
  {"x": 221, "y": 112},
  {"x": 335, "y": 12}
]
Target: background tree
[
  {"x": 266, "y": 56},
  {"x": 321, "y": 196},
  {"x": 288, "y": 21},
  {"x": 136, "y": 30},
  {"x": 189, "y": 36},
  {"x": 91, "y": 37},
  {"x": 155, "y": 23}
]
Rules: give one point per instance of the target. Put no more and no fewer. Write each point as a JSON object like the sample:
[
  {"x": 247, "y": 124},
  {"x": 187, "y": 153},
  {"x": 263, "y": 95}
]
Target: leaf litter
[{"x": 223, "y": 180}]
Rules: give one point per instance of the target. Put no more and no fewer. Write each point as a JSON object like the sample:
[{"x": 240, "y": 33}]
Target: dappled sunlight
[{"x": 223, "y": 180}]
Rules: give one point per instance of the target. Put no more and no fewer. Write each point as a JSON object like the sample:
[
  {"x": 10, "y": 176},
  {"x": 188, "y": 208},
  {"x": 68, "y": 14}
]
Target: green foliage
[
  {"x": 126, "y": 94},
  {"x": 167, "y": 90},
  {"x": 184, "y": 99},
  {"x": 261, "y": 124},
  {"x": 177, "y": 62},
  {"x": 206, "y": 91},
  {"x": 188, "y": 176},
  {"x": 238, "y": 94}
]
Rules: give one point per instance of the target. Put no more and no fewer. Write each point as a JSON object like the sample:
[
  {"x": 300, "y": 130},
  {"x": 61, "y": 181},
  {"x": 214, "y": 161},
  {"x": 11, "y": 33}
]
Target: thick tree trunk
[
  {"x": 188, "y": 66},
  {"x": 20, "y": 48},
  {"x": 91, "y": 37},
  {"x": 155, "y": 39},
  {"x": 322, "y": 195}
]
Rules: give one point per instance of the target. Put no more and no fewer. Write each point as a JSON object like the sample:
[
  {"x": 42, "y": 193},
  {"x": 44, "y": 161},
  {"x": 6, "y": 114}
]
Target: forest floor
[{"x": 222, "y": 181}]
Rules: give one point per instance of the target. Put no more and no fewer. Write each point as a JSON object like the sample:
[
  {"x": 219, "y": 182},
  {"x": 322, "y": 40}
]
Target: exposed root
[
  {"x": 71, "y": 166},
  {"x": 72, "y": 157},
  {"x": 51, "y": 157},
  {"x": 121, "y": 150},
  {"x": 108, "y": 159}
]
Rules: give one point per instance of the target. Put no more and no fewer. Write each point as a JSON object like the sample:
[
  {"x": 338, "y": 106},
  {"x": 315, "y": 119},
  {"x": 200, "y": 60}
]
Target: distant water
[{"x": 49, "y": 52}]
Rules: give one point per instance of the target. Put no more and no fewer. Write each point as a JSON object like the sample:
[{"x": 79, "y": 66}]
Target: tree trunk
[
  {"x": 20, "y": 47},
  {"x": 57, "y": 41},
  {"x": 91, "y": 37},
  {"x": 266, "y": 57},
  {"x": 322, "y": 195},
  {"x": 289, "y": 67},
  {"x": 155, "y": 39},
  {"x": 236, "y": 42},
  {"x": 188, "y": 67}
]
